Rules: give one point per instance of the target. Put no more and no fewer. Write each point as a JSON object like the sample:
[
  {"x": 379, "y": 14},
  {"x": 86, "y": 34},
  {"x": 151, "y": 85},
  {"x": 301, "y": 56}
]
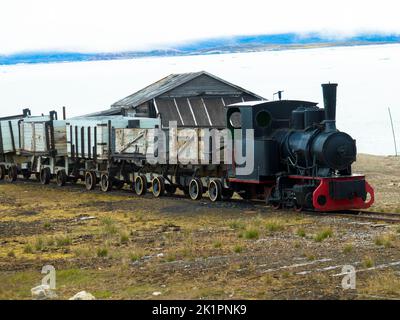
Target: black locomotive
[{"x": 301, "y": 159}]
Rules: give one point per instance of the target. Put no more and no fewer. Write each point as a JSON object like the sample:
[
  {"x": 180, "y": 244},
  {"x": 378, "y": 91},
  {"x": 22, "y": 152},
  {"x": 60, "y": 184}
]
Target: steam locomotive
[{"x": 300, "y": 161}]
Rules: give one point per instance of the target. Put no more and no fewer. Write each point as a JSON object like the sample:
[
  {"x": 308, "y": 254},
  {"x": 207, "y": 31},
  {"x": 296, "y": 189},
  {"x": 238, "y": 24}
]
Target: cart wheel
[
  {"x": 195, "y": 189},
  {"x": 140, "y": 185},
  {"x": 2, "y": 171},
  {"x": 61, "y": 178},
  {"x": 12, "y": 173},
  {"x": 215, "y": 190},
  {"x": 105, "y": 182},
  {"x": 45, "y": 176},
  {"x": 158, "y": 186},
  {"x": 90, "y": 180}
]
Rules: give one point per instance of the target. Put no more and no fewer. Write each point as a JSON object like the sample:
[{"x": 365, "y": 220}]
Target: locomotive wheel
[
  {"x": 140, "y": 185},
  {"x": 158, "y": 185},
  {"x": 45, "y": 176},
  {"x": 215, "y": 190},
  {"x": 105, "y": 182},
  {"x": 12, "y": 174},
  {"x": 195, "y": 189},
  {"x": 61, "y": 178},
  {"x": 2, "y": 171},
  {"x": 276, "y": 205},
  {"x": 90, "y": 180},
  {"x": 298, "y": 208}
]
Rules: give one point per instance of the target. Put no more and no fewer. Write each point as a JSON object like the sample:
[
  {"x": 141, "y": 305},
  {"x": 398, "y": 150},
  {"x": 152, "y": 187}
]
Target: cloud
[{"x": 114, "y": 25}]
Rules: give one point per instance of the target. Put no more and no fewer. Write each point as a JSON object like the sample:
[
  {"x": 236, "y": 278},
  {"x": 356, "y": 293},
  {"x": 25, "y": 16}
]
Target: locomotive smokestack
[{"x": 329, "y": 93}]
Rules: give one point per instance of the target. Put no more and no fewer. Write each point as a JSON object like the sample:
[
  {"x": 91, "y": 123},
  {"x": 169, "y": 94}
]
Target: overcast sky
[{"x": 114, "y": 25}]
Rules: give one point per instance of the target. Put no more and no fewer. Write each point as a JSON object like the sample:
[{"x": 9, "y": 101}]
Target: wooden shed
[{"x": 194, "y": 99}]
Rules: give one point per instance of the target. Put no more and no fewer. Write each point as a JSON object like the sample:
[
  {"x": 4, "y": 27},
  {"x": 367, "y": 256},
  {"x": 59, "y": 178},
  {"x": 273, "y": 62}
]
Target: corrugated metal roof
[
  {"x": 166, "y": 84},
  {"x": 108, "y": 112}
]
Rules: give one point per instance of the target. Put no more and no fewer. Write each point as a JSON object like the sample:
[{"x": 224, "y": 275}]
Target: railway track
[{"x": 389, "y": 217}]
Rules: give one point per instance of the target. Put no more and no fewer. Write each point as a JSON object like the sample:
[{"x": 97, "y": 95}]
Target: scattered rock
[
  {"x": 160, "y": 255},
  {"x": 83, "y": 295},
  {"x": 379, "y": 225},
  {"x": 43, "y": 292},
  {"x": 156, "y": 293},
  {"x": 87, "y": 218}
]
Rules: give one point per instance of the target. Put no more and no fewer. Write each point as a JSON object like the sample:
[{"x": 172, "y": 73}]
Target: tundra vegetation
[{"x": 121, "y": 246}]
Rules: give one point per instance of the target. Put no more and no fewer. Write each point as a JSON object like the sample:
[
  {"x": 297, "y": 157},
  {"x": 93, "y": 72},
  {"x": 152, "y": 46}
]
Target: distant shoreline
[{"x": 237, "y": 44}]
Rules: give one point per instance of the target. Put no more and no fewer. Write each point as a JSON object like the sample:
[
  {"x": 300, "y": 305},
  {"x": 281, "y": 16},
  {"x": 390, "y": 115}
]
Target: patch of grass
[
  {"x": 102, "y": 252},
  {"x": 74, "y": 277},
  {"x": 83, "y": 252},
  {"x": 251, "y": 234},
  {"x": 47, "y": 225},
  {"x": 102, "y": 294},
  {"x": 28, "y": 248},
  {"x": 50, "y": 241},
  {"x": 188, "y": 252},
  {"x": 124, "y": 238},
  {"x": 237, "y": 249},
  {"x": 297, "y": 244},
  {"x": 217, "y": 244},
  {"x": 274, "y": 225},
  {"x": 39, "y": 244},
  {"x": 134, "y": 256},
  {"x": 384, "y": 240},
  {"x": 348, "y": 247},
  {"x": 323, "y": 234},
  {"x": 301, "y": 232},
  {"x": 109, "y": 226},
  {"x": 368, "y": 262},
  {"x": 382, "y": 284},
  {"x": 63, "y": 241},
  {"x": 139, "y": 291},
  {"x": 237, "y": 225},
  {"x": 171, "y": 257},
  {"x": 11, "y": 254},
  {"x": 310, "y": 257},
  {"x": 16, "y": 286}
]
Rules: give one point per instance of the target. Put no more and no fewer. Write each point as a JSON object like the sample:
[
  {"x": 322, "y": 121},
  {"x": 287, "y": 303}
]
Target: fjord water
[{"x": 368, "y": 78}]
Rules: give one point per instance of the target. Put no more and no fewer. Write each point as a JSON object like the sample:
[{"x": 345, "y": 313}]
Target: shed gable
[{"x": 203, "y": 85}]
